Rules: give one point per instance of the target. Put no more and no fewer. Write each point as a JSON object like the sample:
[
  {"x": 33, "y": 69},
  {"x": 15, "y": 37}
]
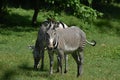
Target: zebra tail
[{"x": 93, "y": 42}]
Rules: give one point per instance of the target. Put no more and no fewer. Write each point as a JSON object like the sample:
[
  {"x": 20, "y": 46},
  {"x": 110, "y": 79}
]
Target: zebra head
[{"x": 51, "y": 39}]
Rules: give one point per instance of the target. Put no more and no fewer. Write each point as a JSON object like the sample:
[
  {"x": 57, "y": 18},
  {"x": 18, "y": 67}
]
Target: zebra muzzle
[{"x": 52, "y": 45}]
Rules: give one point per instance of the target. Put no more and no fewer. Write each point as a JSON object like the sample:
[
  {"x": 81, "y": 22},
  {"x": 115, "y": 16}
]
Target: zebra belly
[{"x": 70, "y": 48}]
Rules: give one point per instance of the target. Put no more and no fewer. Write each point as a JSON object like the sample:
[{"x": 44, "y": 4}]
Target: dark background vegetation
[{"x": 88, "y": 10}]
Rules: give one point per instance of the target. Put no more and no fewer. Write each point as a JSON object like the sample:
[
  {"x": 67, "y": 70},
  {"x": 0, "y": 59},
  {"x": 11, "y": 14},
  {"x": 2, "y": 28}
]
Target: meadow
[{"x": 101, "y": 62}]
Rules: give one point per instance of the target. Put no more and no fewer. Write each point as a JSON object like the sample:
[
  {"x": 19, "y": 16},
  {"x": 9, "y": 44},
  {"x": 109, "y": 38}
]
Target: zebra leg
[
  {"x": 78, "y": 57},
  {"x": 59, "y": 62},
  {"x": 36, "y": 10},
  {"x": 61, "y": 55},
  {"x": 66, "y": 63},
  {"x": 42, "y": 62},
  {"x": 80, "y": 63},
  {"x": 36, "y": 62},
  {"x": 74, "y": 55},
  {"x": 51, "y": 56},
  {"x": 58, "y": 65}
]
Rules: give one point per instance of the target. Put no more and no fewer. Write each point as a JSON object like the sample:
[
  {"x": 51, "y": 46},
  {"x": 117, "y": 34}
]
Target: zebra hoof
[
  {"x": 79, "y": 74},
  {"x": 65, "y": 71}
]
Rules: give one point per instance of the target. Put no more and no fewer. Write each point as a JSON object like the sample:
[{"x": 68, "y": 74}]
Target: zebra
[
  {"x": 40, "y": 45},
  {"x": 70, "y": 40}
]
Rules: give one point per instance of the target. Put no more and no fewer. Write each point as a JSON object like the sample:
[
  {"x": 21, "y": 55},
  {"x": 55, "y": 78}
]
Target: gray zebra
[
  {"x": 70, "y": 40},
  {"x": 40, "y": 44}
]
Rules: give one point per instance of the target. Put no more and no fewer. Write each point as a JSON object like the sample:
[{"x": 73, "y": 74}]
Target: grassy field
[{"x": 101, "y": 62}]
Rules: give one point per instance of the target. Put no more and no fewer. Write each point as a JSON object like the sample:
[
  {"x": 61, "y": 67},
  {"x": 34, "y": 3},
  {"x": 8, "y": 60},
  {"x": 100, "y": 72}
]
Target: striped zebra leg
[
  {"x": 78, "y": 57},
  {"x": 66, "y": 63},
  {"x": 36, "y": 62},
  {"x": 42, "y": 60},
  {"x": 80, "y": 63},
  {"x": 58, "y": 65},
  {"x": 51, "y": 57}
]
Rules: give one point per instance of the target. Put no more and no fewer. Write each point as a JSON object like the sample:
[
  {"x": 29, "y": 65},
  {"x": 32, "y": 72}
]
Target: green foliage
[
  {"x": 51, "y": 15},
  {"x": 86, "y": 13},
  {"x": 76, "y": 8}
]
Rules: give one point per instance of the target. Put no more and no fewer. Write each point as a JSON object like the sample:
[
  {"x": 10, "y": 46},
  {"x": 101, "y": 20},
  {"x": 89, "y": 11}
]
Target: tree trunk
[{"x": 36, "y": 4}]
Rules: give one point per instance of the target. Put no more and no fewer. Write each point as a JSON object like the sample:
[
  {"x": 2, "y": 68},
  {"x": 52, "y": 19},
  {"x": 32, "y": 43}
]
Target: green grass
[{"x": 101, "y": 62}]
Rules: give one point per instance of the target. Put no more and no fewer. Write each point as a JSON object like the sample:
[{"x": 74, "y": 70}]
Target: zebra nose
[{"x": 50, "y": 46}]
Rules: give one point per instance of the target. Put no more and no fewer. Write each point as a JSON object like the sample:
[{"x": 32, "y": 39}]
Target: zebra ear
[{"x": 31, "y": 47}]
